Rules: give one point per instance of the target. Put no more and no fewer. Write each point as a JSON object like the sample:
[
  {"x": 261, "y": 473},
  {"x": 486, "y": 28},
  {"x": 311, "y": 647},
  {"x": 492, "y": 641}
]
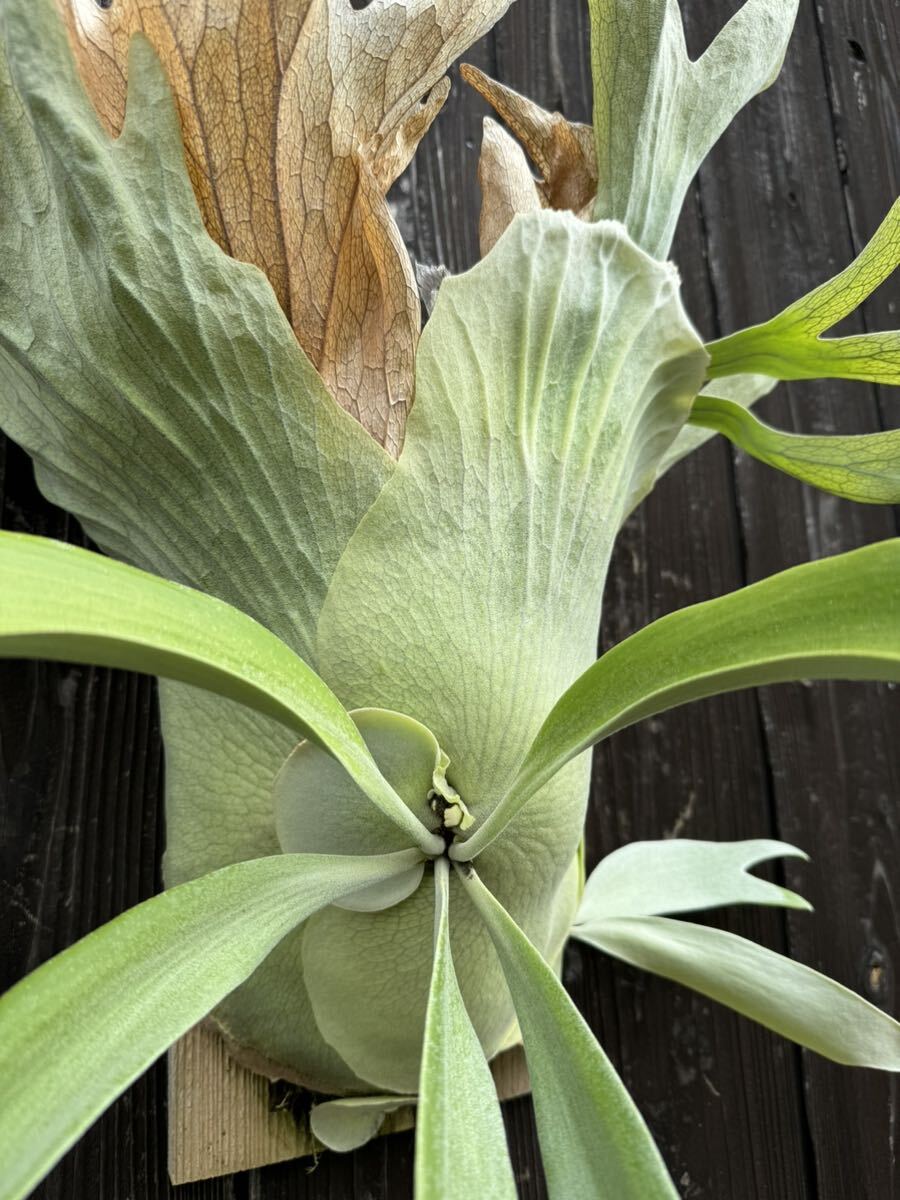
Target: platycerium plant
[{"x": 374, "y": 619}]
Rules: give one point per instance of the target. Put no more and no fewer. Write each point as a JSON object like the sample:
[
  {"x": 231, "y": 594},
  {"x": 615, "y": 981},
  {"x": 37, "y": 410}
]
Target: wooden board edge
[{"x": 221, "y": 1120}]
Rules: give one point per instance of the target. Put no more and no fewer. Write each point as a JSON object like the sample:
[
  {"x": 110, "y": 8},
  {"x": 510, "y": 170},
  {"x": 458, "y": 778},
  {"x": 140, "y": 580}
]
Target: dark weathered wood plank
[
  {"x": 699, "y": 773},
  {"x": 805, "y": 176},
  {"x": 825, "y": 145}
]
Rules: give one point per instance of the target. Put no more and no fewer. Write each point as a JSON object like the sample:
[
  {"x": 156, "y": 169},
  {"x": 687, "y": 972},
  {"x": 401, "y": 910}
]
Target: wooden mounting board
[{"x": 221, "y": 1120}]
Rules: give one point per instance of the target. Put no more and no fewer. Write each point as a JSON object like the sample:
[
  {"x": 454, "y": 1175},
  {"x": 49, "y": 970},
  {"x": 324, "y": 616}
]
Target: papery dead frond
[{"x": 297, "y": 118}]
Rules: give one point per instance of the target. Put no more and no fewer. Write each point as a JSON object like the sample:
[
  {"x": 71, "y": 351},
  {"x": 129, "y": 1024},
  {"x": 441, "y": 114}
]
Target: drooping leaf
[
  {"x": 539, "y": 449},
  {"x": 783, "y": 995},
  {"x": 791, "y": 346},
  {"x": 460, "y": 1140},
  {"x": 562, "y": 151},
  {"x": 657, "y": 114},
  {"x": 77, "y": 1031},
  {"x": 347, "y": 1124},
  {"x": 154, "y": 380},
  {"x": 594, "y": 1143},
  {"x": 60, "y": 602},
  {"x": 865, "y": 467},
  {"x": 297, "y": 119},
  {"x": 680, "y": 875},
  {"x": 832, "y": 619},
  {"x": 743, "y": 390}
]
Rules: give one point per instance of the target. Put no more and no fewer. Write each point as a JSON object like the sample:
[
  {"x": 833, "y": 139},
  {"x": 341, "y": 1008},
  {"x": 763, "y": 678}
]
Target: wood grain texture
[
  {"x": 221, "y": 1119},
  {"x": 788, "y": 196},
  {"x": 224, "y": 1119}
]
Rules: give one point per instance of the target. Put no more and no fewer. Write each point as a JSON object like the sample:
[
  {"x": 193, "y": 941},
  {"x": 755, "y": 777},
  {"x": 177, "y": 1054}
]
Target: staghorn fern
[{"x": 379, "y": 910}]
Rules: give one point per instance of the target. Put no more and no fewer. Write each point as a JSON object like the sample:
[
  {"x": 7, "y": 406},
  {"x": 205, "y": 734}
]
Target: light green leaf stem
[
  {"x": 783, "y": 995},
  {"x": 460, "y": 1140},
  {"x": 790, "y": 345},
  {"x": 77, "y": 1031},
  {"x": 865, "y": 467},
  {"x": 594, "y": 1143},
  {"x": 681, "y": 875},
  {"x": 347, "y": 1124},
  {"x": 61, "y": 602},
  {"x": 657, "y": 114},
  {"x": 743, "y": 390},
  {"x": 838, "y": 618}
]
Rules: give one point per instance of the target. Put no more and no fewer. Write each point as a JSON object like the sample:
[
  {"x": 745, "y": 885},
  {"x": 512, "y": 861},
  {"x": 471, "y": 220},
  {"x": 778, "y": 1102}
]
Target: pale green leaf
[
  {"x": 221, "y": 763},
  {"x": 319, "y": 809},
  {"x": 594, "y": 1143},
  {"x": 865, "y": 467},
  {"x": 155, "y": 381},
  {"x": 378, "y": 1029},
  {"x": 783, "y": 995},
  {"x": 657, "y": 114},
  {"x": 680, "y": 875},
  {"x": 347, "y": 1124},
  {"x": 832, "y": 619},
  {"x": 385, "y": 894},
  {"x": 790, "y": 345},
  {"x": 460, "y": 1140},
  {"x": 743, "y": 390},
  {"x": 165, "y": 400},
  {"x": 541, "y": 450},
  {"x": 77, "y": 1031},
  {"x": 551, "y": 378},
  {"x": 61, "y": 602}
]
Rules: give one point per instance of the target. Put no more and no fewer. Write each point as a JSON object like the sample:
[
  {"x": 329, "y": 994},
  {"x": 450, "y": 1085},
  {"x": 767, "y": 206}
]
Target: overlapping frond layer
[
  {"x": 297, "y": 118},
  {"x": 155, "y": 380},
  {"x": 551, "y": 379}
]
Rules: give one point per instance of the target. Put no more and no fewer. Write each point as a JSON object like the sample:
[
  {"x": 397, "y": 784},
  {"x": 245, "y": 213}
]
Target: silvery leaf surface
[
  {"x": 317, "y": 805},
  {"x": 67, "y": 604},
  {"x": 835, "y": 618},
  {"x": 166, "y": 402},
  {"x": 60, "y": 601},
  {"x": 681, "y": 875},
  {"x": 154, "y": 379},
  {"x": 222, "y": 761},
  {"x": 121, "y": 995},
  {"x": 461, "y": 1146},
  {"x": 551, "y": 379},
  {"x": 657, "y": 114},
  {"x": 785, "y": 996},
  {"x": 594, "y": 1142}
]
